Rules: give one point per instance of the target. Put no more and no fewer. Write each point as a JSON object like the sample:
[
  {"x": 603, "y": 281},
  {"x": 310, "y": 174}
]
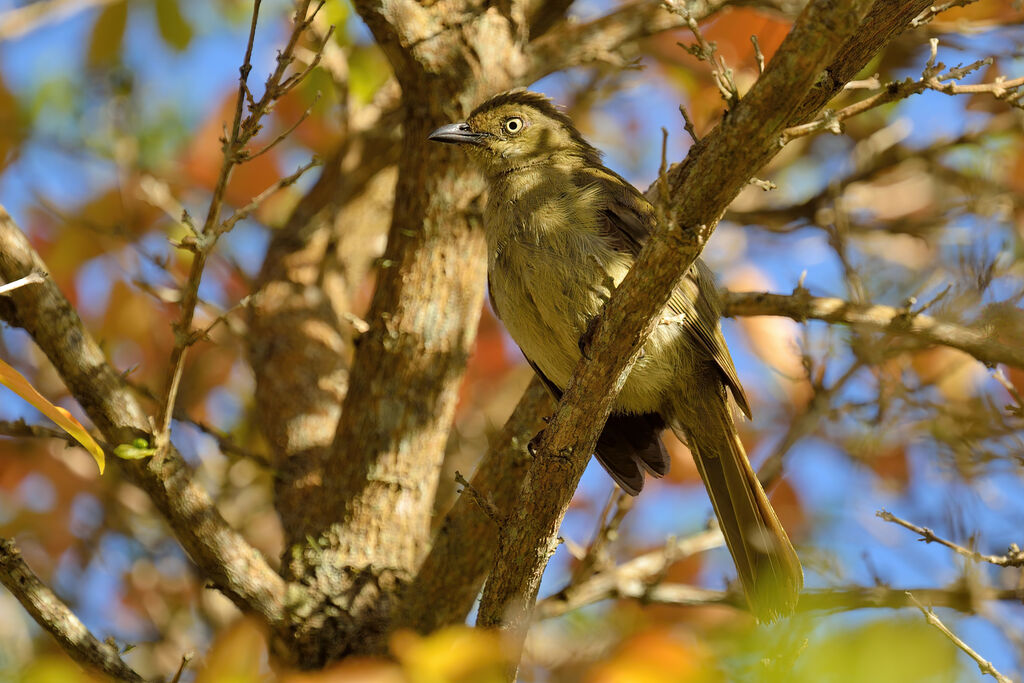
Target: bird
[{"x": 562, "y": 230}]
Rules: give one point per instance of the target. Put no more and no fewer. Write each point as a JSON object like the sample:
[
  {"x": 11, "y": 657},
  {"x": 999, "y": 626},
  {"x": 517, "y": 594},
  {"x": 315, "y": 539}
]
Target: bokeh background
[{"x": 115, "y": 105}]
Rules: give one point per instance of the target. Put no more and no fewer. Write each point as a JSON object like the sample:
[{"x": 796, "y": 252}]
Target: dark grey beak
[{"x": 455, "y": 133}]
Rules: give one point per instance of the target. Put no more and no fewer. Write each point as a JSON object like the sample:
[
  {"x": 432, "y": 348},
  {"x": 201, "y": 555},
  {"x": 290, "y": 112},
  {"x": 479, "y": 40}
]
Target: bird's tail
[{"x": 769, "y": 569}]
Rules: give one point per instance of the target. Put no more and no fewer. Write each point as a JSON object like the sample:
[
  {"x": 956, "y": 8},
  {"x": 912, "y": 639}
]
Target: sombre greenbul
[{"x": 562, "y": 230}]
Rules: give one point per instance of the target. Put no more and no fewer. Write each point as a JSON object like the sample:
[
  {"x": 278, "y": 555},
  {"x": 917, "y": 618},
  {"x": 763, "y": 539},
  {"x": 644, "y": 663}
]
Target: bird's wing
[
  {"x": 628, "y": 445},
  {"x": 630, "y": 221}
]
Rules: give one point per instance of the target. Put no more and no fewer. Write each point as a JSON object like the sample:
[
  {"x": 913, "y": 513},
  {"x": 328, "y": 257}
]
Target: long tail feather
[{"x": 768, "y": 566}]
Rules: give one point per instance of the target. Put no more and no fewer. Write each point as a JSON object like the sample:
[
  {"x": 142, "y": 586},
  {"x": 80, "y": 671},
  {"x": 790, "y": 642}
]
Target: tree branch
[
  {"x": 718, "y": 168},
  {"x": 56, "y": 617},
  {"x": 463, "y": 548},
  {"x": 800, "y": 307},
  {"x": 842, "y": 599},
  {"x": 223, "y": 556}
]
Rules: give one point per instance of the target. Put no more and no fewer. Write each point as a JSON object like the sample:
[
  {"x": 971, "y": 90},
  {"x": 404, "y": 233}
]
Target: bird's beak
[{"x": 455, "y": 133}]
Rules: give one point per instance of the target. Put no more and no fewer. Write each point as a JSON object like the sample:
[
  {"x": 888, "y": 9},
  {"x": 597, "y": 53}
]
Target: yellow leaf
[
  {"x": 456, "y": 654},
  {"x": 107, "y": 34},
  {"x": 174, "y": 28},
  {"x": 16, "y": 382}
]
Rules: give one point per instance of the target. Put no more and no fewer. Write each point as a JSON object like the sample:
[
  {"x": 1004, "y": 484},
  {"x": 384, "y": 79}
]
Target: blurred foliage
[{"x": 109, "y": 127}]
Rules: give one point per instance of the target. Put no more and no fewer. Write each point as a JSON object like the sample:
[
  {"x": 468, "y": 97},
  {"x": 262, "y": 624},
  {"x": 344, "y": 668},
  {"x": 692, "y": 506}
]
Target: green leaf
[
  {"x": 174, "y": 28},
  {"x": 136, "y": 450},
  {"x": 107, "y": 35}
]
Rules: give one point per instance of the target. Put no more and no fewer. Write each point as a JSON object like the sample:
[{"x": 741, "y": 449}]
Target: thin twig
[
  {"x": 21, "y": 429},
  {"x": 55, "y": 616},
  {"x": 185, "y": 659},
  {"x": 688, "y": 124},
  {"x": 256, "y": 201},
  {"x": 932, "y": 78},
  {"x": 17, "y": 22},
  {"x": 244, "y": 127},
  {"x": 1013, "y": 558},
  {"x": 1017, "y": 408},
  {"x": 758, "y": 54},
  {"x": 607, "y": 529},
  {"x": 984, "y": 665},
  {"x": 629, "y": 579},
  {"x": 483, "y": 502},
  {"x": 935, "y": 10},
  {"x": 30, "y": 279},
  {"x": 805, "y": 423},
  {"x": 706, "y": 52}
]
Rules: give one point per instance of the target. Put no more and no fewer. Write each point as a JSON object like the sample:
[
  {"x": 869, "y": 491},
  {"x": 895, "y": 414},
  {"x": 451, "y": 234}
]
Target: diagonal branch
[
  {"x": 718, "y": 168},
  {"x": 55, "y": 616},
  {"x": 224, "y": 557},
  {"x": 463, "y": 548},
  {"x": 980, "y": 343},
  {"x": 984, "y": 665}
]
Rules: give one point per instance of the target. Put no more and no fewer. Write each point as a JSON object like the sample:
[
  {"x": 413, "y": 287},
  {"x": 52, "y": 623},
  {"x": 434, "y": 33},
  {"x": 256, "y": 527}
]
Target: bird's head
[{"x": 515, "y": 130}]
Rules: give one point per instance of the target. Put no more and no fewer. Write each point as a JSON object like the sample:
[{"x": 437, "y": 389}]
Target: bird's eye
[{"x": 514, "y": 125}]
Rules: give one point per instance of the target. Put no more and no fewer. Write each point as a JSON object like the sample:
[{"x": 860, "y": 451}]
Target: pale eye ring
[{"x": 513, "y": 125}]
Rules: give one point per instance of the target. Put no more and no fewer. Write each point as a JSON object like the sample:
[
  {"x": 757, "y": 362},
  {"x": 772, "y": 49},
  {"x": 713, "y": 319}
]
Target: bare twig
[
  {"x": 606, "y": 38},
  {"x": 618, "y": 506},
  {"x": 932, "y": 78},
  {"x": 758, "y": 54},
  {"x": 805, "y": 423},
  {"x": 483, "y": 502},
  {"x": 634, "y": 578},
  {"x": 1013, "y": 558},
  {"x": 1017, "y": 408},
  {"x": 17, "y": 22},
  {"x": 30, "y": 279},
  {"x": 984, "y": 665},
  {"x": 708, "y": 52},
  {"x": 935, "y": 10},
  {"x": 20, "y": 428},
  {"x": 688, "y": 124},
  {"x": 55, "y": 616},
  {"x": 185, "y": 659},
  {"x": 256, "y": 201},
  {"x": 244, "y": 127}
]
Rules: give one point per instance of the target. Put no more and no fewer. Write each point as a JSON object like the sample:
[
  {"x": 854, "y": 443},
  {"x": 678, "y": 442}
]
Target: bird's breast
[{"x": 548, "y": 285}]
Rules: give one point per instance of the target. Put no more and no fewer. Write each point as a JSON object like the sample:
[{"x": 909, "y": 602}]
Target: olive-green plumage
[{"x": 562, "y": 231}]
